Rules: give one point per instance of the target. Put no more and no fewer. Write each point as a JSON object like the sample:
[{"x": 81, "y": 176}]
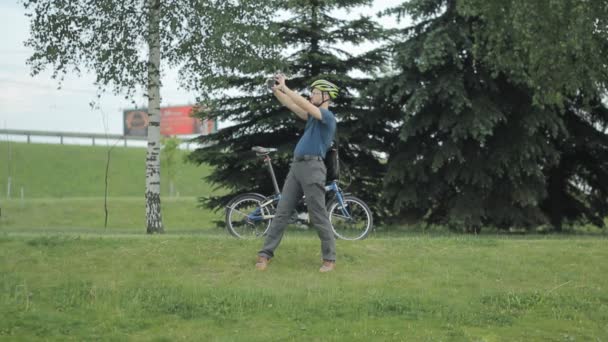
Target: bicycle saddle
[{"x": 263, "y": 150}]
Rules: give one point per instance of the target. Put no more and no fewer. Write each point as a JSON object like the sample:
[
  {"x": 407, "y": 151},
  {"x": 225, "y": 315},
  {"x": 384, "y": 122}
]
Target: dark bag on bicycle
[{"x": 332, "y": 163}]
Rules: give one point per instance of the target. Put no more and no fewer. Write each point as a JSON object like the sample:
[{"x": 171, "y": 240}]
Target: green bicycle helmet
[{"x": 326, "y": 86}]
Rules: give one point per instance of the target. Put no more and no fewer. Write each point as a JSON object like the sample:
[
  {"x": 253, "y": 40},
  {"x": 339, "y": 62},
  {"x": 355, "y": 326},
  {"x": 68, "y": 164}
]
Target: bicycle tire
[
  {"x": 357, "y": 224},
  {"x": 239, "y": 212}
]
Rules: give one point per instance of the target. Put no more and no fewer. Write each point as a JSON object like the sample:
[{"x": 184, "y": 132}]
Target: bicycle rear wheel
[
  {"x": 351, "y": 221},
  {"x": 247, "y": 218}
]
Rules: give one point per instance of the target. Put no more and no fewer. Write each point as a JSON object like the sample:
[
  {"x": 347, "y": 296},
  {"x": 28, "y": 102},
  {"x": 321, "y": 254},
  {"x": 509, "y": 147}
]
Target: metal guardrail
[{"x": 62, "y": 135}]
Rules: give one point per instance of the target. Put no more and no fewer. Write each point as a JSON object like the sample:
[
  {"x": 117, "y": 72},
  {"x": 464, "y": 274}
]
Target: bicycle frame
[
  {"x": 350, "y": 217},
  {"x": 258, "y": 214}
]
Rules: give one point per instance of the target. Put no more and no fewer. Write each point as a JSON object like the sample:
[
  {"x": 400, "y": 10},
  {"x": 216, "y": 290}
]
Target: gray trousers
[{"x": 307, "y": 178}]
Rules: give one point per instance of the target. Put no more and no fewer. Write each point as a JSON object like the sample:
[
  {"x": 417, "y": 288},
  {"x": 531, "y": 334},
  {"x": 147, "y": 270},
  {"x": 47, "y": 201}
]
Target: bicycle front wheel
[
  {"x": 351, "y": 220},
  {"x": 247, "y": 217}
]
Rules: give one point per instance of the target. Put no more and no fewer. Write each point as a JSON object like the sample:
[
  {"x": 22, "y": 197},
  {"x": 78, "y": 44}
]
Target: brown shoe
[
  {"x": 327, "y": 266},
  {"x": 262, "y": 263}
]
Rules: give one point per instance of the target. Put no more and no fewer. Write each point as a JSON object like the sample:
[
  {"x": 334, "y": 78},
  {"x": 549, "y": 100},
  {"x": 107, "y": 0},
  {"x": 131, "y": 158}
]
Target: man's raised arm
[{"x": 287, "y": 102}]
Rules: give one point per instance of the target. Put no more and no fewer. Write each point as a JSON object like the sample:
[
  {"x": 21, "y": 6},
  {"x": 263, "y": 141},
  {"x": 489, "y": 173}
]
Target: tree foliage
[
  {"x": 108, "y": 37},
  {"x": 556, "y": 47},
  {"x": 488, "y": 134}
]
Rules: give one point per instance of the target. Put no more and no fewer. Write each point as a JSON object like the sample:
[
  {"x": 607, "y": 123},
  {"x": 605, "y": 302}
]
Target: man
[{"x": 307, "y": 172}]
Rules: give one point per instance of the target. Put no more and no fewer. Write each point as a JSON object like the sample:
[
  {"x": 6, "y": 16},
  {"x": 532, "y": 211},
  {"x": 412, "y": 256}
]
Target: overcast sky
[{"x": 35, "y": 103}]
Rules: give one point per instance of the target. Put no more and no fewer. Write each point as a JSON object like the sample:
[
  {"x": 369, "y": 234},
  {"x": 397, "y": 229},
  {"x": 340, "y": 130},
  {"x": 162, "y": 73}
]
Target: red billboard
[{"x": 176, "y": 120}]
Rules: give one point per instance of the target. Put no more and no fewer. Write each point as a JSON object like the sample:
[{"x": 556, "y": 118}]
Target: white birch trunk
[{"x": 154, "y": 221}]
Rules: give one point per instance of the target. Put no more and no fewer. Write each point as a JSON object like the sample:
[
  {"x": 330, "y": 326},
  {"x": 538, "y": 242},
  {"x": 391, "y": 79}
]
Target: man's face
[{"x": 316, "y": 97}]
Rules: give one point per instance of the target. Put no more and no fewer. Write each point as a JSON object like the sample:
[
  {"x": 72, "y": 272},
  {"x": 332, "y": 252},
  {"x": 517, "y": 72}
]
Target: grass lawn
[
  {"x": 64, "y": 276},
  {"x": 125, "y": 215},
  {"x": 203, "y": 286}
]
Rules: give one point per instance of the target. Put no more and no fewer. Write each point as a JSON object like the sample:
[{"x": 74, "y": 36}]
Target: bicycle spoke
[
  {"x": 240, "y": 212},
  {"x": 340, "y": 216},
  {"x": 239, "y": 220},
  {"x": 352, "y": 220}
]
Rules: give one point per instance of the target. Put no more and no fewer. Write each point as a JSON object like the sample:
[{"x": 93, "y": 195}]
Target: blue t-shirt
[{"x": 317, "y": 136}]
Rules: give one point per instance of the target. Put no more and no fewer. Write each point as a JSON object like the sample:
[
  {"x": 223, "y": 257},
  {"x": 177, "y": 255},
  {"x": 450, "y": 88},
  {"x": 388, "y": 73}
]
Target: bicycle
[{"x": 249, "y": 215}]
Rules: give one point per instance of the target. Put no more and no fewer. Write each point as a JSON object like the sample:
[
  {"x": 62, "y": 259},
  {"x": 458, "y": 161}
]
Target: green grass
[
  {"x": 125, "y": 215},
  {"x": 64, "y": 186},
  {"x": 204, "y": 287},
  {"x": 63, "y": 276},
  {"x": 60, "y": 171}
]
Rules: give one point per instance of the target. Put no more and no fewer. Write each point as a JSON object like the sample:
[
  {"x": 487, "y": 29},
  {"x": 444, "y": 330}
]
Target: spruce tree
[
  {"x": 557, "y": 48},
  {"x": 307, "y": 39},
  {"x": 476, "y": 146},
  {"x": 577, "y": 187}
]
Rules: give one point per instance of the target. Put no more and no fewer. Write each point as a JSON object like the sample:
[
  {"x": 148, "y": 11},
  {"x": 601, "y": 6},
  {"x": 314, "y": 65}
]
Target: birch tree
[{"x": 108, "y": 38}]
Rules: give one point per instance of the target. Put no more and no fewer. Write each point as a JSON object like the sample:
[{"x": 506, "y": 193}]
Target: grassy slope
[
  {"x": 64, "y": 188},
  {"x": 125, "y": 215},
  {"x": 57, "y": 171}
]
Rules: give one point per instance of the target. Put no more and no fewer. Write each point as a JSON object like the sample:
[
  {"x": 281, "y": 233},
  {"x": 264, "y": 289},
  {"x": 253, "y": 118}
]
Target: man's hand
[
  {"x": 280, "y": 79},
  {"x": 279, "y": 90},
  {"x": 279, "y": 83}
]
